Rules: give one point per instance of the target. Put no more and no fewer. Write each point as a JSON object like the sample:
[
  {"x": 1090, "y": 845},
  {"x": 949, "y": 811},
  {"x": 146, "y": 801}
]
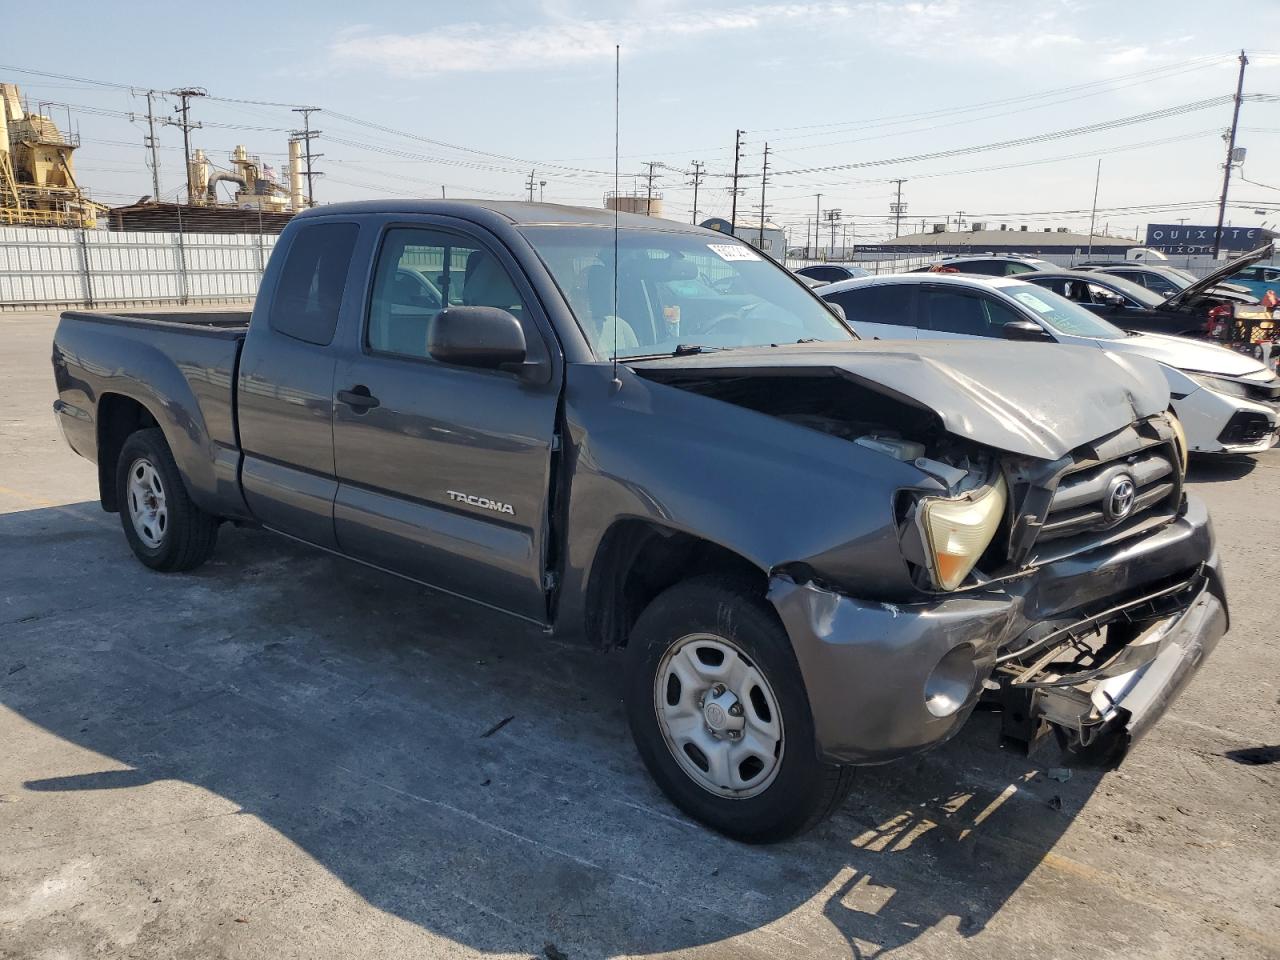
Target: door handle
[{"x": 358, "y": 398}]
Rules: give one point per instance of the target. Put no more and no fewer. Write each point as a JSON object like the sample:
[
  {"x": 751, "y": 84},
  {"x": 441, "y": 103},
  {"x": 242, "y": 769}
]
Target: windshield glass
[
  {"x": 1060, "y": 314},
  {"x": 678, "y": 289}
]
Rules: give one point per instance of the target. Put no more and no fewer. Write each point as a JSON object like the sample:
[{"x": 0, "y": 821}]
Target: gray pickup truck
[{"x": 815, "y": 552}]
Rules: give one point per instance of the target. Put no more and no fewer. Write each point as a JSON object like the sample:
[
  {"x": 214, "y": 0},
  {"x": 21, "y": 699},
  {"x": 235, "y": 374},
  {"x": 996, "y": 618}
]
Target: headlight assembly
[
  {"x": 957, "y": 532},
  {"x": 1221, "y": 385}
]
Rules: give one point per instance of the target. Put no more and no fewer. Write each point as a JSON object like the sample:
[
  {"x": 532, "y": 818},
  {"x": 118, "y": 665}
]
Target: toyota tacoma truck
[{"x": 814, "y": 552}]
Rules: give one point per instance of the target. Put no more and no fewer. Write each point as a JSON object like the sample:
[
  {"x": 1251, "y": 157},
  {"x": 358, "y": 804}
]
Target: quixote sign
[{"x": 1185, "y": 238}]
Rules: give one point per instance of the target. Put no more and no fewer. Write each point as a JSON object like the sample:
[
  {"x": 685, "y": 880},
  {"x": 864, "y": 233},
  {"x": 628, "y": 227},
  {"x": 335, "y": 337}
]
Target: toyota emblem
[{"x": 1118, "y": 503}]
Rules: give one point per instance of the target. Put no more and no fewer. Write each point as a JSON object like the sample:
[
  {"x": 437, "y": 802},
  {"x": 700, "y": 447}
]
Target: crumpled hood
[
  {"x": 1183, "y": 353},
  {"x": 1039, "y": 400}
]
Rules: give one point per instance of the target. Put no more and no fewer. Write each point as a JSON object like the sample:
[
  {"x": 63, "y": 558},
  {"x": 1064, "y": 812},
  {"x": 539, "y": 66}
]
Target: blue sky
[{"x": 499, "y": 88}]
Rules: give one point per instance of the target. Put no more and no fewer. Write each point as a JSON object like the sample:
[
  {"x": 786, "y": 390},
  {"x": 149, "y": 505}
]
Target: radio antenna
[{"x": 617, "y": 99}]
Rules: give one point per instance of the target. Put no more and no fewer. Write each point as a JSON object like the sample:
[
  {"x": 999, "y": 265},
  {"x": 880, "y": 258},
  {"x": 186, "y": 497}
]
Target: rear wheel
[
  {"x": 720, "y": 716},
  {"x": 165, "y": 529}
]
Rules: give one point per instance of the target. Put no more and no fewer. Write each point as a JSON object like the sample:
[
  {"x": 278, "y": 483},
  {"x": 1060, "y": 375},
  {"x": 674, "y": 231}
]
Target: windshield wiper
[{"x": 688, "y": 349}]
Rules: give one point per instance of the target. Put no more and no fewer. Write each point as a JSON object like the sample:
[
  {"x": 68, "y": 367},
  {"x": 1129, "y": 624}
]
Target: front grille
[
  {"x": 1070, "y": 504},
  {"x": 1080, "y": 502},
  {"x": 1246, "y": 428}
]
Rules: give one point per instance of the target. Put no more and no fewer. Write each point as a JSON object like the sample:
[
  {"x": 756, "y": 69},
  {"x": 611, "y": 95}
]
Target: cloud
[
  {"x": 565, "y": 40},
  {"x": 921, "y": 29}
]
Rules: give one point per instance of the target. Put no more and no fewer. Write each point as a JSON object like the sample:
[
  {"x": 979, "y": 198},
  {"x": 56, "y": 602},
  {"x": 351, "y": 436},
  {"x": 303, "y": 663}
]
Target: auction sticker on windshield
[
  {"x": 733, "y": 251},
  {"x": 1032, "y": 301}
]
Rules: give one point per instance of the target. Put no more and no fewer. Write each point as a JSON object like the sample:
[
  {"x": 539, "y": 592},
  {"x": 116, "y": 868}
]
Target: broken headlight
[{"x": 958, "y": 531}]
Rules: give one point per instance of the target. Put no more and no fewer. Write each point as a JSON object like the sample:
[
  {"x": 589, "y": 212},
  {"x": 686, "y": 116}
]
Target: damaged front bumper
[{"x": 886, "y": 681}]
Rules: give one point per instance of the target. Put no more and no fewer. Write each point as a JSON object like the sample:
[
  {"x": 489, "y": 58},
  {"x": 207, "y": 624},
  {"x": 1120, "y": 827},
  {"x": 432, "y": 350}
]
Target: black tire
[
  {"x": 189, "y": 534},
  {"x": 804, "y": 790}
]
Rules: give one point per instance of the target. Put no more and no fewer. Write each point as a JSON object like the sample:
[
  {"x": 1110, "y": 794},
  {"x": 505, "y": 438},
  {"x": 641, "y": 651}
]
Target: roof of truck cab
[{"x": 516, "y": 212}]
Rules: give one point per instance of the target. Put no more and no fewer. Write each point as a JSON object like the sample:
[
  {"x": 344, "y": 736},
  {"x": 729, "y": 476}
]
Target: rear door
[
  {"x": 444, "y": 471},
  {"x": 879, "y": 311},
  {"x": 284, "y": 400},
  {"x": 955, "y": 313}
]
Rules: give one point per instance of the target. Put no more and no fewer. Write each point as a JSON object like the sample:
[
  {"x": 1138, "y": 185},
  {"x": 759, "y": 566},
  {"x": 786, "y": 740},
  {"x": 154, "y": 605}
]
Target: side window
[
  {"x": 987, "y": 268},
  {"x": 1158, "y": 284},
  {"x": 886, "y": 303},
  {"x": 1013, "y": 268},
  {"x": 949, "y": 311},
  {"x": 1105, "y": 295},
  {"x": 421, "y": 272},
  {"x": 312, "y": 282}
]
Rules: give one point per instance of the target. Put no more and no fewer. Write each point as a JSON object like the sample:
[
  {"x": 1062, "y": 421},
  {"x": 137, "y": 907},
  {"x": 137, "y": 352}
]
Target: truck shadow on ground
[{"x": 362, "y": 717}]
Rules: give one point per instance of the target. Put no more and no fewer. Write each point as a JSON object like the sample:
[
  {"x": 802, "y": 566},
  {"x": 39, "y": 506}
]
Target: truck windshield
[{"x": 678, "y": 290}]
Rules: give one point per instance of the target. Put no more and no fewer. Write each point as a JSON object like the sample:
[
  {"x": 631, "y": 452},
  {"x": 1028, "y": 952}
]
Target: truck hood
[
  {"x": 1209, "y": 280},
  {"x": 1183, "y": 353},
  {"x": 1038, "y": 400}
]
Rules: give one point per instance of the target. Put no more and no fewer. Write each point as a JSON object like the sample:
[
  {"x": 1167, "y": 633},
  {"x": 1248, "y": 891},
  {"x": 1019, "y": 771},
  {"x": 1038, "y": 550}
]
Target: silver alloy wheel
[
  {"x": 719, "y": 716},
  {"x": 147, "y": 506}
]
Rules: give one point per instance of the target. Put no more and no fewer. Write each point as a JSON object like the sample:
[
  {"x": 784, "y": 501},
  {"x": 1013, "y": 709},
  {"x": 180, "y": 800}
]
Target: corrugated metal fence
[{"x": 47, "y": 268}]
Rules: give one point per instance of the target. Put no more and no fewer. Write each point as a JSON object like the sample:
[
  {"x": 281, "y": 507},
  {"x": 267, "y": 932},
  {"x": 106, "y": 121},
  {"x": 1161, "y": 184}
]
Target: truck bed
[
  {"x": 178, "y": 367},
  {"x": 232, "y": 322}
]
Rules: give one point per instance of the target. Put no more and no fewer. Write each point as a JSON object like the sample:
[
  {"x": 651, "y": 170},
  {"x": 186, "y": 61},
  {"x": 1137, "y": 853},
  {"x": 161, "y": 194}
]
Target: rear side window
[
  {"x": 966, "y": 313},
  {"x": 888, "y": 303},
  {"x": 1013, "y": 268},
  {"x": 312, "y": 282}
]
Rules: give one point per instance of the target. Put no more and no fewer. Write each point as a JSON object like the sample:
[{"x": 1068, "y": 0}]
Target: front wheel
[
  {"x": 166, "y": 530},
  {"x": 719, "y": 713}
]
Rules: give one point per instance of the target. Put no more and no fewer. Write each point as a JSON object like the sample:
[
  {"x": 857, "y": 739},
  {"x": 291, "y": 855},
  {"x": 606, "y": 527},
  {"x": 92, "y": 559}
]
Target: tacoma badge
[{"x": 482, "y": 502}]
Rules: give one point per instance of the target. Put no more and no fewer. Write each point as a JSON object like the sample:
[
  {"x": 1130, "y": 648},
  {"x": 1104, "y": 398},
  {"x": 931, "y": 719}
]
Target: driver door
[{"x": 444, "y": 471}]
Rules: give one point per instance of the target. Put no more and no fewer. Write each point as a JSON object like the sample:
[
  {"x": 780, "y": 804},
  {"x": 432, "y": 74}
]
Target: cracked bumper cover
[{"x": 865, "y": 664}]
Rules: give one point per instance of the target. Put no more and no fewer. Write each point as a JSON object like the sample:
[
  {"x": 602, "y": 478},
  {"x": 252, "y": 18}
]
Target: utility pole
[
  {"x": 898, "y": 211},
  {"x": 648, "y": 200},
  {"x": 542, "y": 186},
  {"x": 1093, "y": 216},
  {"x": 307, "y": 134},
  {"x": 764, "y": 179},
  {"x": 817, "y": 222},
  {"x": 833, "y": 217},
  {"x": 699, "y": 171},
  {"x": 1231, "y": 149},
  {"x": 737, "y": 155},
  {"x": 959, "y": 219},
  {"x": 533, "y": 178},
  {"x": 185, "y": 95},
  {"x": 150, "y": 142}
]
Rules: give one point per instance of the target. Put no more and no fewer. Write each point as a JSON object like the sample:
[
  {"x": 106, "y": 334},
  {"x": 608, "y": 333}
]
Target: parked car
[
  {"x": 813, "y": 552},
  {"x": 1227, "y": 402},
  {"x": 1258, "y": 279},
  {"x": 1189, "y": 312},
  {"x": 1165, "y": 280},
  {"x": 831, "y": 272},
  {"x": 990, "y": 265}
]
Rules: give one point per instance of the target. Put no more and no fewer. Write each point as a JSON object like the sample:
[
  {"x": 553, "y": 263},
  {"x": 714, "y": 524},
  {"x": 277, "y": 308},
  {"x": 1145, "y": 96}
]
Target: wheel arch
[
  {"x": 637, "y": 559},
  {"x": 119, "y": 416}
]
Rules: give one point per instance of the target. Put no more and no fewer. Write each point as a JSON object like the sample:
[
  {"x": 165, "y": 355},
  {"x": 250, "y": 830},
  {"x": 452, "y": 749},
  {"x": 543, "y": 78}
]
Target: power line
[{"x": 1172, "y": 111}]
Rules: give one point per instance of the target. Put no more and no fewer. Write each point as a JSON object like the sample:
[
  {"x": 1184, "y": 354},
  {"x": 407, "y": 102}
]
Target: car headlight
[
  {"x": 1180, "y": 437},
  {"x": 957, "y": 532},
  {"x": 1220, "y": 385}
]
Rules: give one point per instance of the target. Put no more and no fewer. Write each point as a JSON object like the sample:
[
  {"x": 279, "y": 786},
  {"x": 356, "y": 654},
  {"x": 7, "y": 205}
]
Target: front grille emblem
[{"x": 1118, "y": 502}]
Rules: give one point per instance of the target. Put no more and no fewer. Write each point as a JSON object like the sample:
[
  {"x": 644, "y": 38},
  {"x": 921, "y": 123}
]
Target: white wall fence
[{"x": 96, "y": 268}]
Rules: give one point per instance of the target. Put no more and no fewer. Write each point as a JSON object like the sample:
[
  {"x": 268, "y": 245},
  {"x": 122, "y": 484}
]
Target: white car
[{"x": 1227, "y": 402}]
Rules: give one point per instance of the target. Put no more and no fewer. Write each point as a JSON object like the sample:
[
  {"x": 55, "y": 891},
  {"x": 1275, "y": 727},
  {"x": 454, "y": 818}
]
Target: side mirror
[
  {"x": 837, "y": 310},
  {"x": 1024, "y": 330},
  {"x": 484, "y": 337}
]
